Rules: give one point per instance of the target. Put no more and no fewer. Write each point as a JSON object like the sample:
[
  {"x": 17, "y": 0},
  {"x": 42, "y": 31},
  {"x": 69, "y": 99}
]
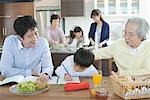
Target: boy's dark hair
[
  {"x": 54, "y": 16},
  {"x": 23, "y": 24},
  {"x": 83, "y": 57},
  {"x": 76, "y": 29}
]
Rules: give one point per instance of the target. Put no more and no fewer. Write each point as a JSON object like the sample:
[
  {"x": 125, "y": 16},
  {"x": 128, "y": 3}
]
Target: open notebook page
[
  {"x": 53, "y": 80},
  {"x": 16, "y": 78},
  {"x": 62, "y": 81}
]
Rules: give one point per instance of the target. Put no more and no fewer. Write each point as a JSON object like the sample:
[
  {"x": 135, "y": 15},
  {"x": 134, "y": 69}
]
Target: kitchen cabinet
[
  {"x": 71, "y": 8},
  {"x": 9, "y": 12}
]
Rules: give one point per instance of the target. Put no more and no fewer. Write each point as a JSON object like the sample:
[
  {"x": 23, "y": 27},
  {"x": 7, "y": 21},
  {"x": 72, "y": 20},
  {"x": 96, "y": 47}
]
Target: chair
[
  {"x": 98, "y": 64},
  {"x": 110, "y": 65}
]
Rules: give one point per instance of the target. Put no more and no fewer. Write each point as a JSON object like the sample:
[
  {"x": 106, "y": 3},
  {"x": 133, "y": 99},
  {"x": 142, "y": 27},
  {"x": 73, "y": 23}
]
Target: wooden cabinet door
[
  {"x": 25, "y": 8},
  {"x": 9, "y": 12},
  {"x": 72, "y": 8}
]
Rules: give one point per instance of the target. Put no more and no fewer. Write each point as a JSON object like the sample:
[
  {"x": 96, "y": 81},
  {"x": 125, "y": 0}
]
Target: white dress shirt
[
  {"x": 68, "y": 64},
  {"x": 16, "y": 59}
]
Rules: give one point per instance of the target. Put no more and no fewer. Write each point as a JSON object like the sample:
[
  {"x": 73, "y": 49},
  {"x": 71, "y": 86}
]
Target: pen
[{"x": 65, "y": 69}]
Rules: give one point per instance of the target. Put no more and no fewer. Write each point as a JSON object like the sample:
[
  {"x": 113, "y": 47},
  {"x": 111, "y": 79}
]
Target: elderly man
[
  {"x": 26, "y": 53},
  {"x": 131, "y": 54}
]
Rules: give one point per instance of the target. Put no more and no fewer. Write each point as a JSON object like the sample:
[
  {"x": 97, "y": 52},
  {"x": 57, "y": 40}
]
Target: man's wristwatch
[{"x": 47, "y": 75}]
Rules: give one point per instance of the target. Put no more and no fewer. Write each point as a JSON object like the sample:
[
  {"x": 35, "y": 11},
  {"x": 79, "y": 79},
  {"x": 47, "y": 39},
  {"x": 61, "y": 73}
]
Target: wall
[
  {"x": 84, "y": 21},
  {"x": 47, "y": 3},
  {"x": 43, "y": 11},
  {"x": 144, "y": 12}
]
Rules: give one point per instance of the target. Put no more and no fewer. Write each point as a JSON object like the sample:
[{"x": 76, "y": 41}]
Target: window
[
  {"x": 116, "y": 29},
  {"x": 111, "y": 6},
  {"x": 100, "y": 5},
  {"x": 135, "y": 6},
  {"x": 117, "y": 7},
  {"x": 116, "y": 13},
  {"x": 123, "y": 6}
]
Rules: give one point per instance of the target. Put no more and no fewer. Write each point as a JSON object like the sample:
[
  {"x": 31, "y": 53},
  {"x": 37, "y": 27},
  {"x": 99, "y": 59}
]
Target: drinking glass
[{"x": 97, "y": 79}]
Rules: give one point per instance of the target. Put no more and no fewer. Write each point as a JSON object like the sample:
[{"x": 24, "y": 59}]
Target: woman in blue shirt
[{"x": 98, "y": 29}]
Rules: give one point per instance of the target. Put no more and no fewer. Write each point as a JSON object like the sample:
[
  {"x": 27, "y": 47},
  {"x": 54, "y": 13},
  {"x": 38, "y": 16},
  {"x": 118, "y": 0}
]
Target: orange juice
[{"x": 97, "y": 79}]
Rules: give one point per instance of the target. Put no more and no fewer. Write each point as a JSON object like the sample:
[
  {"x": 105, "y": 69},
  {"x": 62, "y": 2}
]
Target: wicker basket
[{"x": 132, "y": 87}]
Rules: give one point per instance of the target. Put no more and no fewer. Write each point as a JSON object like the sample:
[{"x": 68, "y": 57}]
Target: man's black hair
[{"x": 23, "y": 24}]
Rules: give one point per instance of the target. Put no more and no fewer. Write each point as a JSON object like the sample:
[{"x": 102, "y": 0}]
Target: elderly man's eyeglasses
[{"x": 129, "y": 34}]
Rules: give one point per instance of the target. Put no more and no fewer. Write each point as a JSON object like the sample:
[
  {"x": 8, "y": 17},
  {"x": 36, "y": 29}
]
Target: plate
[
  {"x": 14, "y": 90},
  {"x": 89, "y": 48}
]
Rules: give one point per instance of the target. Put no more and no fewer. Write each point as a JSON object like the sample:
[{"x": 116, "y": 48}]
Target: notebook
[
  {"x": 53, "y": 80},
  {"x": 21, "y": 78},
  {"x": 62, "y": 81}
]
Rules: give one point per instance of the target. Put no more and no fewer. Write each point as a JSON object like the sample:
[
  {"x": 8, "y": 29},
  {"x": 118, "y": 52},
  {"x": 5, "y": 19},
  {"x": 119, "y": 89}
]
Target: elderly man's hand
[{"x": 113, "y": 75}]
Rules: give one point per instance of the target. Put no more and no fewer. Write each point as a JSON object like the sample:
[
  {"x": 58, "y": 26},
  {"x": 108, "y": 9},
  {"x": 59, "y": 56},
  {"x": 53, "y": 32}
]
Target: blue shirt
[
  {"x": 104, "y": 31},
  {"x": 16, "y": 59}
]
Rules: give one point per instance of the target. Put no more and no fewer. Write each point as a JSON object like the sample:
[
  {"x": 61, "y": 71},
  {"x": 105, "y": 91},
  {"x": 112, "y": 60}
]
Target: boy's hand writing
[{"x": 67, "y": 77}]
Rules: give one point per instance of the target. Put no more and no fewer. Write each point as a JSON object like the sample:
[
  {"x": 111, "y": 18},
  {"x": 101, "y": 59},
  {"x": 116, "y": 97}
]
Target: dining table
[{"x": 57, "y": 92}]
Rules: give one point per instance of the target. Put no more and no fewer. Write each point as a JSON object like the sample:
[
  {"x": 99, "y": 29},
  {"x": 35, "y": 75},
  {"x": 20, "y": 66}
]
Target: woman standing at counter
[{"x": 99, "y": 30}]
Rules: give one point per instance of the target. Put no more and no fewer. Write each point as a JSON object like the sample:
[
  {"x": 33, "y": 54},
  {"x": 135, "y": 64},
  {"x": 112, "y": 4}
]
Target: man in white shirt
[{"x": 26, "y": 53}]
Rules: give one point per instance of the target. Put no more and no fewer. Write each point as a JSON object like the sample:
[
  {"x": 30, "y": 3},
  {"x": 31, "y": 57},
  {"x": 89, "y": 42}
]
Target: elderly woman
[
  {"x": 131, "y": 54},
  {"x": 54, "y": 34}
]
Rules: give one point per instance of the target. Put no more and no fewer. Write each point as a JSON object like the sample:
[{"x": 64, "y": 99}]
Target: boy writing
[{"x": 79, "y": 64}]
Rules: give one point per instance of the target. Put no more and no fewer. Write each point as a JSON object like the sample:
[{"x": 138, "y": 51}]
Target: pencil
[{"x": 65, "y": 69}]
